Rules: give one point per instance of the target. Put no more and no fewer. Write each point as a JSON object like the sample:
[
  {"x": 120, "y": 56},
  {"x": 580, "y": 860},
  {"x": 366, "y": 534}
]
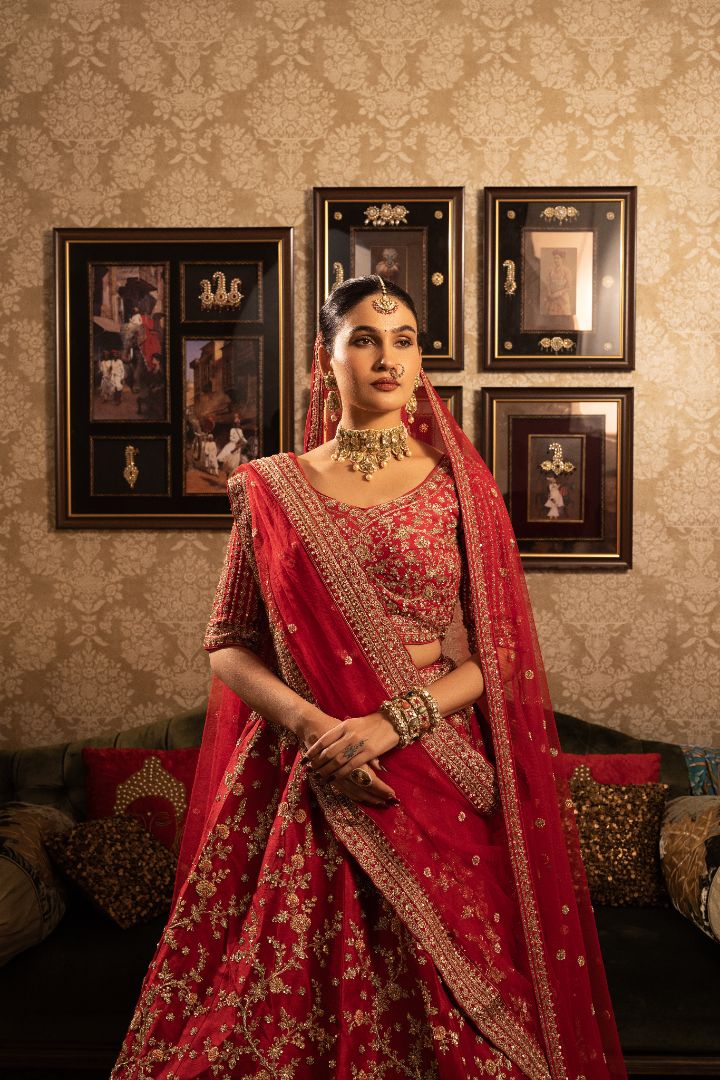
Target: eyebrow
[{"x": 393, "y": 330}]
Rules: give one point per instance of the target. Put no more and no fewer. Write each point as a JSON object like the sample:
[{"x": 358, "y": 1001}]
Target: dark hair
[{"x": 344, "y": 297}]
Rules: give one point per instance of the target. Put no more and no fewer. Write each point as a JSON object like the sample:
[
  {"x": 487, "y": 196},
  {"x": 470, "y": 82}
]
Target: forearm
[
  {"x": 247, "y": 676},
  {"x": 459, "y": 688}
]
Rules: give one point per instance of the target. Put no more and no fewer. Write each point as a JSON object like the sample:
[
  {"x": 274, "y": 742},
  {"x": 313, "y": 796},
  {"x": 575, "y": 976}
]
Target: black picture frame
[
  {"x": 174, "y": 363},
  {"x": 413, "y": 236},
  {"x": 562, "y": 459},
  {"x": 559, "y": 280}
]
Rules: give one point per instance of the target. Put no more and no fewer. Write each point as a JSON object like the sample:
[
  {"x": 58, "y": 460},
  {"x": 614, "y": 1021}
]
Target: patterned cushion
[
  {"x": 31, "y": 899},
  {"x": 703, "y": 765},
  {"x": 150, "y": 785},
  {"x": 619, "y": 827},
  {"x": 615, "y": 768},
  {"x": 126, "y": 872},
  {"x": 690, "y": 859}
]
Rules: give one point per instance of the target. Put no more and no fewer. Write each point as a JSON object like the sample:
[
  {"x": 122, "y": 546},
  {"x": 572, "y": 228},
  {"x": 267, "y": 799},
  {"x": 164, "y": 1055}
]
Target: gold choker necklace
[{"x": 370, "y": 448}]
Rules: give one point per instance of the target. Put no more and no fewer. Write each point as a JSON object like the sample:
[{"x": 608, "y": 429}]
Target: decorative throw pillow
[
  {"x": 123, "y": 870},
  {"x": 31, "y": 898},
  {"x": 703, "y": 765},
  {"x": 150, "y": 785},
  {"x": 615, "y": 768},
  {"x": 619, "y": 827},
  {"x": 690, "y": 859}
]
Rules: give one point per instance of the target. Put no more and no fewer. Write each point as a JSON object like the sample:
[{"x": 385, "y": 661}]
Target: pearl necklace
[{"x": 370, "y": 449}]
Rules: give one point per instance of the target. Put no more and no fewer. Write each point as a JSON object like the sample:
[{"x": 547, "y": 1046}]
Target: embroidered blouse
[{"x": 409, "y": 548}]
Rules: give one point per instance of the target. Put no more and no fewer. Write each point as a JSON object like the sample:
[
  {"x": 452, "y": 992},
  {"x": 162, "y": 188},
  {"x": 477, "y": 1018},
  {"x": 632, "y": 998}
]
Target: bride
[{"x": 380, "y": 874}]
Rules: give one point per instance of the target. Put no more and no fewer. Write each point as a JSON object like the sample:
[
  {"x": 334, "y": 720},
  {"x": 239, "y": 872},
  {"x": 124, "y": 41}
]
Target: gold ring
[{"x": 359, "y": 776}]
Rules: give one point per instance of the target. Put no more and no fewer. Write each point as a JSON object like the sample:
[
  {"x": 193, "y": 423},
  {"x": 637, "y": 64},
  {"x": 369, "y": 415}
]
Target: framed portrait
[
  {"x": 174, "y": 366},
  {"x": 559, "y": 279},
  {"x": 411, "y": 236},
  {"x": 562, "y": 459}
]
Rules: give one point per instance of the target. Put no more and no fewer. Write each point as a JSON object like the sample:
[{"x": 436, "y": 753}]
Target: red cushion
[
  {"x": 615, "y": 768},
  {"x": 150, "y": 785}
]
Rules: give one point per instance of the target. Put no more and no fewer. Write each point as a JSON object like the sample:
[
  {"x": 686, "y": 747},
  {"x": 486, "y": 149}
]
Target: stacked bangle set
[{"x": 412, "y": 714}]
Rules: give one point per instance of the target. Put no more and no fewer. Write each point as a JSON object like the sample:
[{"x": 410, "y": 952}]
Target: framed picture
[
  {"x": 412, "y": 236},
  {"x": 560, "y": 279},
  {"x": 174, "y": 365},
  {"x": 562, "y": 459}
]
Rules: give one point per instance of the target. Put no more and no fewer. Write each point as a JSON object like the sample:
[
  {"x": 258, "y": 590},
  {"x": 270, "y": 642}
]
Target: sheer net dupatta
[
  {"x": 560, "y": 931},
  {"x": 578, "y": 1026}
]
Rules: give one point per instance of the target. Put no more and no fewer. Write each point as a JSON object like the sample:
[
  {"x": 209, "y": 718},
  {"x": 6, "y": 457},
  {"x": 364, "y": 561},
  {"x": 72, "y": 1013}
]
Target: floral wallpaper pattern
[{"x": 115, "y": 113}]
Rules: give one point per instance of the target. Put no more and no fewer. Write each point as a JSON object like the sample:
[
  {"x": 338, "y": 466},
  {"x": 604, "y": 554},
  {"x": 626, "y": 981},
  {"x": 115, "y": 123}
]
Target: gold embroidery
[{"x": 395, "y": 880}]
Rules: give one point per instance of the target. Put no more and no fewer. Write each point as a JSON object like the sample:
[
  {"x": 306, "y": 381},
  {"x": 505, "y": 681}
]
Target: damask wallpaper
[{"x": 120, "y": 113}]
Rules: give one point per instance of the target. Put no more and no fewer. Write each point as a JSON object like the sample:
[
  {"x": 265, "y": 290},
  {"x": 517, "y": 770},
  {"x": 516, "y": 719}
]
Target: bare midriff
[{"x": 423, "y": 653}]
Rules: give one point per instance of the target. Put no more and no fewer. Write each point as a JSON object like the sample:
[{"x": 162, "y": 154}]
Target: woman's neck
[{"x": 361, "y": 420}]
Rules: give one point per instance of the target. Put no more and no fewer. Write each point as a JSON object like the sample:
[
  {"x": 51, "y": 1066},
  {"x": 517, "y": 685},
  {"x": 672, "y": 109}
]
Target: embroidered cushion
[
  {"x": 151, "y": 785},
  {"x": 703, "y": 765},
  {"x": 119, "y": 866},
  {"x": 615, "y": 768},
  {"x": 690, "y": 859},
  {"x": 32, "y": 900},
  {"x": 619, "y": 827}
]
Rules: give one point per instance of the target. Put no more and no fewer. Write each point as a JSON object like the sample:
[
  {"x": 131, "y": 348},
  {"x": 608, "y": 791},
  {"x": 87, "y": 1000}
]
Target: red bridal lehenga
[{"x": 311, "y": 937}]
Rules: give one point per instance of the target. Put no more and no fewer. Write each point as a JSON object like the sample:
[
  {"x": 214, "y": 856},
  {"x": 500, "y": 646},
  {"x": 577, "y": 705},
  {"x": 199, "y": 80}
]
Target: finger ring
[
  {"x": 351, "y": 751},
  {"x": 359, "y": 776}
]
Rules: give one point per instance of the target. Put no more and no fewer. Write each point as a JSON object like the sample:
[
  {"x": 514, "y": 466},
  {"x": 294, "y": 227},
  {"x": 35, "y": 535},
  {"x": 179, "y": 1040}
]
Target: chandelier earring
[
  {"x": 411, "y": 404},
  {"x": 333, "y": 405}
]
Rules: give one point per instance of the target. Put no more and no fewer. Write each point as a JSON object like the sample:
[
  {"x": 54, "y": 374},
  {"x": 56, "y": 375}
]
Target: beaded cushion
[
  {"x": 115, "y": 862},
  {"x": 409, "y": 550},
  {"x": 151, "y": 785},
  {"x": 619, "y": 827}
]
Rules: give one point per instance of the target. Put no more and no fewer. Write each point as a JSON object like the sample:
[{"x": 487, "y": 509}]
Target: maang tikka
[{"x": 385, "y": 305}]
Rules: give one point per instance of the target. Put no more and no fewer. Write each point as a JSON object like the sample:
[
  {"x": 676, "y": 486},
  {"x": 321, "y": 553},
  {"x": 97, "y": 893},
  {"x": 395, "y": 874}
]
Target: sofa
[{"x": 65, "y": 1003}]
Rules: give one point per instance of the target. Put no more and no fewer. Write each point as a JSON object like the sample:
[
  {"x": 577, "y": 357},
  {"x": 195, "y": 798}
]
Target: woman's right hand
[{"x": 377, "y": 793}]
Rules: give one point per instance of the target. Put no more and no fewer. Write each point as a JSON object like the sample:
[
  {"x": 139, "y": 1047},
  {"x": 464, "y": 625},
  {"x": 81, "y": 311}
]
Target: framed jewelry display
[
  {"x": 559, "y": 279},
  {"x": 174, "y": 365},
  {"x": 562, "y": 459},
  {"x": 412, "y": 236}
]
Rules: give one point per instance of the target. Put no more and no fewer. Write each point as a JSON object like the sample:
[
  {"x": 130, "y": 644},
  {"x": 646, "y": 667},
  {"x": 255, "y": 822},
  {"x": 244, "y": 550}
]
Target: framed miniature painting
[
  {"x": 412, "y": 236},
  {"x": 562, "y": 459},
  {"x": 174, "y": 365},
  {"x": 559, "y": 279}
]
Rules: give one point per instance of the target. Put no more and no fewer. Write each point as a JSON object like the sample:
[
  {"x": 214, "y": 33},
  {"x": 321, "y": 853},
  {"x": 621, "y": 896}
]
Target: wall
[{"x": 121, "y": 113}]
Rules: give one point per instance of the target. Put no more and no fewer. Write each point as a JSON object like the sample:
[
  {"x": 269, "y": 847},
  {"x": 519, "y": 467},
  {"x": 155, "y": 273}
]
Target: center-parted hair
[{"x": 344, "y": 297}]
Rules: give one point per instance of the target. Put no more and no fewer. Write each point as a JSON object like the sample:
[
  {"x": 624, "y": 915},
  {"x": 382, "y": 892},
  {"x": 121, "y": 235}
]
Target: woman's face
[{"x": 364, "y": 340}]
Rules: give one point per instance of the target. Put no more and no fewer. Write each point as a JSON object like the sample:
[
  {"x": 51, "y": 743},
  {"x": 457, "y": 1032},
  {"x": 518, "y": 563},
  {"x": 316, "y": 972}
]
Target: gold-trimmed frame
[
  {"x": 74, "y": 249},
  {"x": 610, "y": 214},
  {"x": 612, "y": 551},
  {"x": 341, "y": 212}
]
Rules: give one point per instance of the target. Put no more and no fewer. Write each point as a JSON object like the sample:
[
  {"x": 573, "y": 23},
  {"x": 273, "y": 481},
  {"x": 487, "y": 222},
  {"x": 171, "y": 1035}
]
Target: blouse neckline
[{"x": 375, "y": 506}]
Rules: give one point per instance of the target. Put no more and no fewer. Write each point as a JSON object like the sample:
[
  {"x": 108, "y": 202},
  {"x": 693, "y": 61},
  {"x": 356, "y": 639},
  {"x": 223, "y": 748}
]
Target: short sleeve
[{"x": 238, "y": 615}]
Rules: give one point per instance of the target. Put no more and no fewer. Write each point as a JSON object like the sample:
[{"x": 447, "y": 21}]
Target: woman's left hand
[{"x": 349, "y": 744}]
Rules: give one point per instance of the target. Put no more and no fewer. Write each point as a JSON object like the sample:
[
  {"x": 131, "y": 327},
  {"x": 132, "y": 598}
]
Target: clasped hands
[{"x": 355, "y": 742}]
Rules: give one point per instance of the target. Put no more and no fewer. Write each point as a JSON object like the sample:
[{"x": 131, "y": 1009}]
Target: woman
[{"x": 353, "y": 900}]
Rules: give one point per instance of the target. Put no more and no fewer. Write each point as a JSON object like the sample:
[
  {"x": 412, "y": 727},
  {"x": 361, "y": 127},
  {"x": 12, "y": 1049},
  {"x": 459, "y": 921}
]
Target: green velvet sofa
[{"x": 65, "y": 1004}]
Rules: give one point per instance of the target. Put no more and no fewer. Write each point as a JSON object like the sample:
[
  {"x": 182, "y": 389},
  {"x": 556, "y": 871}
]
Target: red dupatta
[{"x": 534, "y": 981}]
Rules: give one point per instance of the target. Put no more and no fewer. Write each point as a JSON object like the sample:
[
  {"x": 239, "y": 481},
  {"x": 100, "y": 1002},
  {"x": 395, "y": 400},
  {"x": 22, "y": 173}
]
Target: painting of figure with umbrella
[
  {"x": 128, "y": 342},
  {"x": 223, "y": 409}
]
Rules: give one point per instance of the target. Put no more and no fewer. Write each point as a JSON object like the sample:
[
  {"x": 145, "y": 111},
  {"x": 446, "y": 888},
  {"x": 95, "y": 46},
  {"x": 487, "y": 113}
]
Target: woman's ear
[{"x": 323, "y": 358}]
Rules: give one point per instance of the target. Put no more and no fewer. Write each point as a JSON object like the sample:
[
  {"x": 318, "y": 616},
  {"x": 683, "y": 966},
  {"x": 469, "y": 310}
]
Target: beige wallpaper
[{"x": 170, "y": 112}]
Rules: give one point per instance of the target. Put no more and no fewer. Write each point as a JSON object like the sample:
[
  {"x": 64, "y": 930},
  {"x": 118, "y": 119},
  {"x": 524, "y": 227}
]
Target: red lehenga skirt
[{"x": 290, "y": 964}]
